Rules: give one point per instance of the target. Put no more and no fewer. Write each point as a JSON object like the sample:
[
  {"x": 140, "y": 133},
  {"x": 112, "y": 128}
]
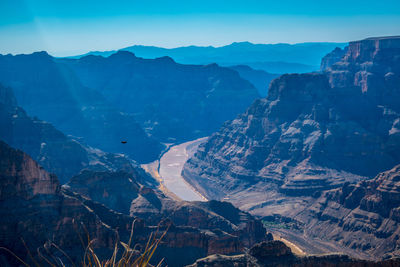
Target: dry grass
[{"x": 128, "y": 258}]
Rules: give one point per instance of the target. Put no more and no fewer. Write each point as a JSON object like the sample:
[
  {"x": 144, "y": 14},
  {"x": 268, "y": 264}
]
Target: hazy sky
[{"x": 73, "y": 27}]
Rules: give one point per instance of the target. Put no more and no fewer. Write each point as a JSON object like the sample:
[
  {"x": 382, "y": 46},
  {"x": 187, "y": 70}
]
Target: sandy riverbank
[{"x": 168, "y": 171}]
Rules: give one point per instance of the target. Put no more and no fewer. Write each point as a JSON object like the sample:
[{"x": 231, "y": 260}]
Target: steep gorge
[{"x": 312, "y": 133}]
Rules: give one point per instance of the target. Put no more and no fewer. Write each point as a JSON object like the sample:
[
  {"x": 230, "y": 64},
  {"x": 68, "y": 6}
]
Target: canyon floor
[{"x": 167, "y": 170}]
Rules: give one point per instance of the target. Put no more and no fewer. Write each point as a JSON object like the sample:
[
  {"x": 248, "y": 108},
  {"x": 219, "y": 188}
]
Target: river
[{"x": 169, "y": 167}]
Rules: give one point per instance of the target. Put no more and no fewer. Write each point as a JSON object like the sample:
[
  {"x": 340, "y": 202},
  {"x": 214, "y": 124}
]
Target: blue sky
[{"x": 73, "y": 27}]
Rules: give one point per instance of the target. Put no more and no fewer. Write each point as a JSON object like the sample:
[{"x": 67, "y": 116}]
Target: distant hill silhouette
[
  {"x": 259, "y": 78},
  {"x": 51, "y": 92},
  {"x": 173, "y": 102},
  {"x": 104, "y": 101},
  {"x": 273, "y": 58}
]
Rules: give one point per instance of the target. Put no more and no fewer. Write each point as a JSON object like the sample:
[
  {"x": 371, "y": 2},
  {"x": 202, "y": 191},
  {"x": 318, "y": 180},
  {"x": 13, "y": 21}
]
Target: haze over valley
[{"x": 186, "y": 135}]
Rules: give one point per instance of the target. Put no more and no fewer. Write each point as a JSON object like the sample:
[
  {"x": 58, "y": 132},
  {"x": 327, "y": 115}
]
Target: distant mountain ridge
[
  {"x": 103, "y": 101},
  {"x": 259, "y": 78},
  {"x": 273, "y": 58},
  {"x": 173, "y": 102},
  {"x": 52, "y": 92}
]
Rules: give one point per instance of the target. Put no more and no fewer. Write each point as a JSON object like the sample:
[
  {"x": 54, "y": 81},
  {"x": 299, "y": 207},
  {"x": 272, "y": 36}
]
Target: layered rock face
[
  {"x": 182, "y": 244},
  {"x": 204, "y": 215},
  {"x": 53, "y": 150},
  {"x": 362, "y": 216},
  {"x": 114, "y": 189},
  {"x": 370, "y": 68},
  {"x": 173, "y": 102},
  {"x": 50, "y": 91},
  {"x": 233, "y": 230},
  {"x": 312, "y": 132},
  {"x": 316, "y": 132},
  {"x": 276, "y": 253},
  {"x": 128, "y": 194},
  {"x": 333, "y": 57},
  {"x": 34, "y": 207},
  {"x": 23, "y": 177}
]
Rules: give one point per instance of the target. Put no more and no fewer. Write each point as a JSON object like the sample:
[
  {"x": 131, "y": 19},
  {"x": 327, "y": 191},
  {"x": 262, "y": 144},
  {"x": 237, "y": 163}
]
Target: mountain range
[
  {"x": 172, "y": 102},
  {"x": 104, "y": 101},
  {"x": 50, "y": 91},
  {"x": 272, "y": 58}
]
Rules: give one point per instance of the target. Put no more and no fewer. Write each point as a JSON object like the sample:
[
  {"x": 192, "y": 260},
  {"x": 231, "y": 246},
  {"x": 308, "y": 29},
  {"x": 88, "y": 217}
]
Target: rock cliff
[
  {"x": 204, "y": 215},
  {"x": 311, "y": 133},
  {"x": 128, "y": 194},
  {"x": 363, "y": 216},
  {"x": 115, "y": 190},
  {"x": 276, "y": 253},
  {"x": 34, "y": 208},
  {"x": 333, "y": 57}
]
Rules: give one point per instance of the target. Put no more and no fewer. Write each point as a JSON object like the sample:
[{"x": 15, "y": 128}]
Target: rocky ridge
[
  {"x": 37, "y": 209},
  {"x": 50, "y": 91},
  {"x": 362, "y": 216},
  {"x": 313, "y": 131},
  {"x": 273, "y": 58},
  {"x": 34, "y": 209},
  {"x": 276, "y": 253},
  {"x": 259, "y": 78},
  {"x": 316, "y": 132},
  {"x": 173, "y": 102},
  {"x": 56, "y": 152},
  {"x": 333, "y": 57},
  {"x": 127, "y": 194}
]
